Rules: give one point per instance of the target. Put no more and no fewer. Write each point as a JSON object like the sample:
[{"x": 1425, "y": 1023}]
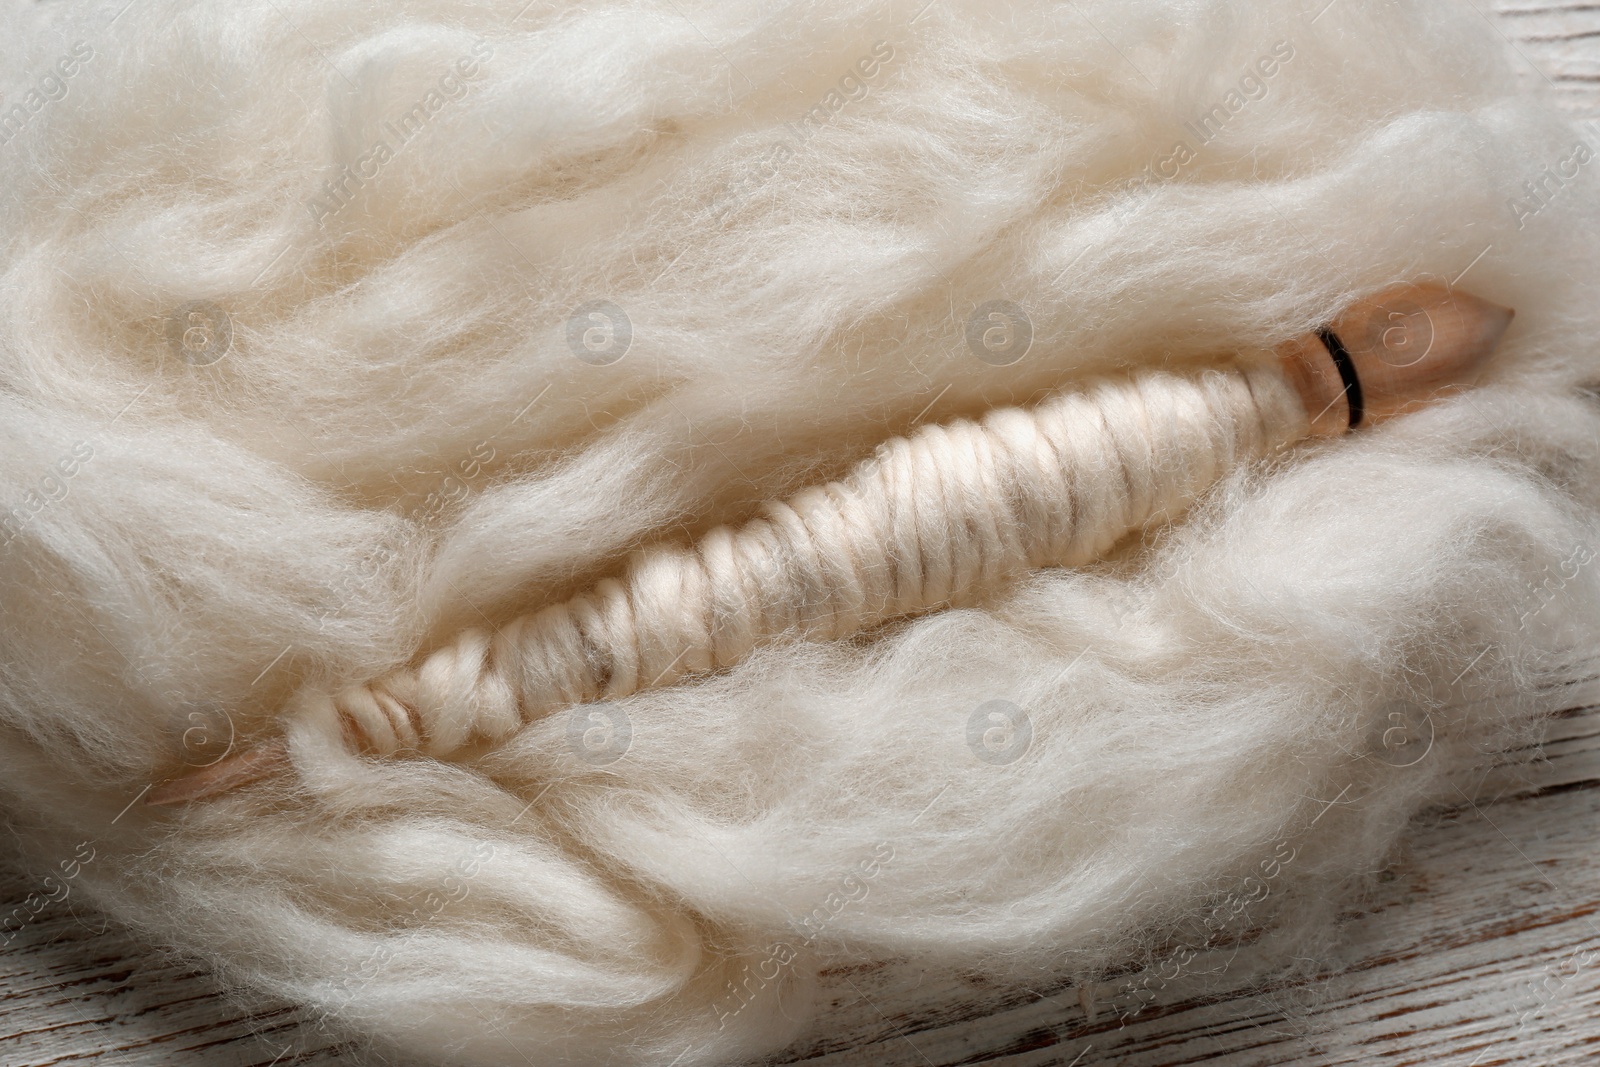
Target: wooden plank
[
  {"x": 74, "y": 989},
  {"x": 1482, "y": 948},
  {"x": 1559, "y": 43}
]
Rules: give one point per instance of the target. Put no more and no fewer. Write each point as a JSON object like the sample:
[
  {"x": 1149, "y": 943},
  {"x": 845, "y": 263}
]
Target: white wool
[{"x": 269, "y": 428}]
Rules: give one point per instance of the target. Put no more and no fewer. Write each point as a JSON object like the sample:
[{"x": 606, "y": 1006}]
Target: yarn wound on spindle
[{"x": 930, "y": 520}]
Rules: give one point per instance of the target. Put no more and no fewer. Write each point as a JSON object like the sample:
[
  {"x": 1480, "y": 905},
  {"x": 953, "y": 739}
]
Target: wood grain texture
[
  {"x": 1481, "y": 948},
  {"x": 1558, "y": 42}
]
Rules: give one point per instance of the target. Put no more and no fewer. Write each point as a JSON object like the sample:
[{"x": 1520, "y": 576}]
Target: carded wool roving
[{"x": 332, "y": 332}]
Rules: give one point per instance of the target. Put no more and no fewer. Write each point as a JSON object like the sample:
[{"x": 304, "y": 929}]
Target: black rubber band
[{"x": 1347, "y": 374}]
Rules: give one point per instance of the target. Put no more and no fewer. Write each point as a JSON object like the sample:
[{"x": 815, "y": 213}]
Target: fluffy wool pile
[{"x": 328, "y": 329}]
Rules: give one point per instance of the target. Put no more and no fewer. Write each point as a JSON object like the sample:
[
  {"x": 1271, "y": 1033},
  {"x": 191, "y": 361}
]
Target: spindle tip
[
  {"x": 251, "y": 765},
  {"x": 1385, "y": 353}
]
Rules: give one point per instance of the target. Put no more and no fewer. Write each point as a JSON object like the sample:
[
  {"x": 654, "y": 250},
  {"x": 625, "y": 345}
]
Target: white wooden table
[{"x": 1483, "y": 947}]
